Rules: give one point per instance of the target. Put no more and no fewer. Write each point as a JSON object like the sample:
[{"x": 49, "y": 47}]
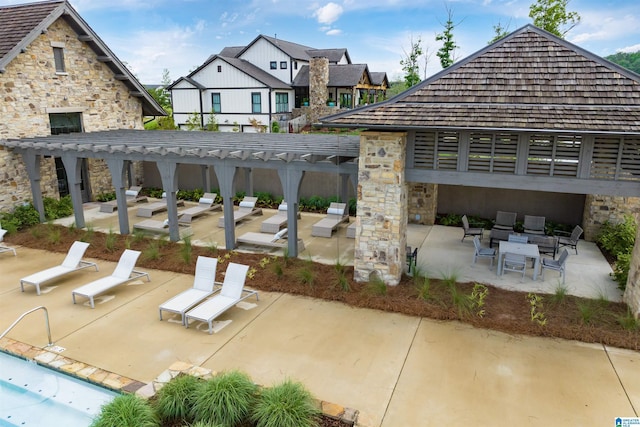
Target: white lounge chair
[
  {"x": 230, "y": 295},
  {"x": 336, "y": 214},
  {"x": 161, "y": 227},
  {"x": 123, "y": 273},
  {"x": 268, "y": 240},
  {"x": 72, "y": 262},
  {"x": 276, "y": 222},
  {"x": 247, "y": 207},
  {"x": 203, "y": 286},
  {"x": 4, "y": 248},
  {"x": 147, "y": 210},
  {"x": 205, "y": 204},
  {"x": 133, "y": 197}
]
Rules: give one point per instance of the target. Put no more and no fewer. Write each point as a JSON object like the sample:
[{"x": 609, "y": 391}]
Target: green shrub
[
  {"x": 176, "y": 399},
  {"x": 126, "y": 410},
  {"x": 285, "y": 405},
  {"x": 106, "y": 197},
  {"x": 225, "y": 399},
  {"x": 275, "y": 127},
  {"x": 618, "y": 240},
  {"x": 264, "y": 198},
  {"x": 23, "y": 216}
]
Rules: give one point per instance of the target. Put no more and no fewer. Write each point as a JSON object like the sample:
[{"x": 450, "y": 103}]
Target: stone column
[
  {"x": 632, "y": 291},
  {"x": 599, "y": 208},
  {"x": 423, "y": 203},
  {"x": 382, "y": 207},
  {"x": 318, "y": 93}
]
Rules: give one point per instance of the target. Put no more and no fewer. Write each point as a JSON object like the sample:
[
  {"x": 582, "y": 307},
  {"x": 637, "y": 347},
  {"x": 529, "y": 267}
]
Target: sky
[{"x": 151, "y": 36}]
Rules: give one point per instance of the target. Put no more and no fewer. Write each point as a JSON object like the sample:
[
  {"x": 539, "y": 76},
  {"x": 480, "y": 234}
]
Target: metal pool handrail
[{"x": 46, "y": 319}]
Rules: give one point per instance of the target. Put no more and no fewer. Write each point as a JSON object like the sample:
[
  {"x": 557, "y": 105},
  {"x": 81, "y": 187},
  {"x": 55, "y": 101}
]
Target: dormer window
[
  {"x": 273, "y": 65},
  {"x": 283, "y": 65},
  {"x": 58, "y": 57}
]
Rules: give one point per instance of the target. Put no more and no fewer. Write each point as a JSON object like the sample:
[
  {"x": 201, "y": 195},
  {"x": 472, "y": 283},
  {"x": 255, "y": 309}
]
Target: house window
[
  {"x": 282, "y": 102},
  {"x": 219, "y": 68},
  {"x": 65, "y": 123},
  {"x": 295, "y": 65},
  {"x": 256, "y": 102},
  {"x": 273, "y": 65},
  {"x": 215, "y": 102},
  {"x": 58, "y": 58},
  {"x": 283, "y": 65}
]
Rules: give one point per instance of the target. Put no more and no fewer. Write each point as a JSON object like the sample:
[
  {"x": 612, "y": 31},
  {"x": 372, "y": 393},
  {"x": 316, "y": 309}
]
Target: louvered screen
[
  {"x": 566, "y": 155},
  {"x": 447, "y": 151},
  {"x": 480, "y": 152},
  {"x": 424, "y": 150},
  {"x": 505, "y": 152},
  {"x": 540, "y": 155},
  {"x": 554, "y": 155},
  {"x": 606, "y": 150},
  {"x": 630, "y": 161}
]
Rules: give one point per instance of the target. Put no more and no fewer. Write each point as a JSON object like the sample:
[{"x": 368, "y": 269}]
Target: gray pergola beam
[
  {"x": 225, "y": 174},
  {"x": 117, "y": 168},
  {"x": 73, "y": 168},
  {"x": 32, "y": 163},
  {"x": 291, "y": 180}
]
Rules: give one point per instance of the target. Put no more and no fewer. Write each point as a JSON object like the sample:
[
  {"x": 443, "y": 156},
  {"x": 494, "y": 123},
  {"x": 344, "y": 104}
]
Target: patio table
[{"x": 527, "y": 249}]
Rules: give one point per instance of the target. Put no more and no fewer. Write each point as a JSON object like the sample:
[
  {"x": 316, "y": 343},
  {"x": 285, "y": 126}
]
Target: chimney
[{"x": 318, "y": 92}]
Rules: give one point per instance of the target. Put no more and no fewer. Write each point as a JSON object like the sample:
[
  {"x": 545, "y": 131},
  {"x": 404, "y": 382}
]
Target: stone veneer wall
[
  {"x": 632, "y": 290},
  {"x": 318, "y": 93},
  {"x": 30, "y": 89},
  {"x": 599, "y": 208},
  {"x": 423, "y": 203},
  {"x": 382, "y": 207}
]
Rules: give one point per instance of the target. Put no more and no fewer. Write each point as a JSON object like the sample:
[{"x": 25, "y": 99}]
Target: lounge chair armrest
[{"x": 562, "y": 233}]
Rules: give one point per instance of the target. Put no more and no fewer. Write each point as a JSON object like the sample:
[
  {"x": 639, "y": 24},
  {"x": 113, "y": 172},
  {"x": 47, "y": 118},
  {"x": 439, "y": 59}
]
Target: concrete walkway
[{"x": 396, "y": 370}]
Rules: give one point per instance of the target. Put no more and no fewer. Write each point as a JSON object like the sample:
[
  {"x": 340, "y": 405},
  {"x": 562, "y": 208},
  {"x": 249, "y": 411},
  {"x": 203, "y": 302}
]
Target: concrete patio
[{"x": 396, "y": 370}]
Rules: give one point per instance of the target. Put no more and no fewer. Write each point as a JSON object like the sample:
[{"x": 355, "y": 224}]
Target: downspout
[
  {"x": 270, "y": 109},
  {"x": 201, "y": 110}
]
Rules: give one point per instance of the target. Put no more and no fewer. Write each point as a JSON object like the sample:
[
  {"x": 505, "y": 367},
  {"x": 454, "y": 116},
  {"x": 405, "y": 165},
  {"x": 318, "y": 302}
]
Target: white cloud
[
  {"x": 630, "y": 49},
  {"x": 328, "y": 13},
  {"x": 334, "y": 32}
]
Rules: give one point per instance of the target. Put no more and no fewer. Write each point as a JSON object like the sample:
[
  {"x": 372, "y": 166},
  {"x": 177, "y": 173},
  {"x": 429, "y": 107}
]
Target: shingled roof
[
  {"x": 22, "y": 24},
  {"x": 529, "y": 80},
  {"x": 344, "y": 75}
]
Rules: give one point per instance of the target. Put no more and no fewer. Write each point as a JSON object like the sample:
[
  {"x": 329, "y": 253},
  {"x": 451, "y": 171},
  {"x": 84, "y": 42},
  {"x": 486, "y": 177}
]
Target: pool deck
[{"x": 396, "y": 370}]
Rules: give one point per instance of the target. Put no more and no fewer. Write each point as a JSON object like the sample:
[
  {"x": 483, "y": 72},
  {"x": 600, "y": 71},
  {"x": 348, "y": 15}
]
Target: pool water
[{"x": 33, "y": 395}]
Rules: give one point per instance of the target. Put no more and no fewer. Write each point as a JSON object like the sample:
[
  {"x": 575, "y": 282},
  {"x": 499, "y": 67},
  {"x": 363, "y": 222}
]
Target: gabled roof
[
  {"x": 345, "y": 75},
  {"x": 294, "y": 50},
  {"x": 379, "y": 78},
  {"x": 528, "y": 80},
  {"x": 22, "y": 24},
  {"x": 333, "y": 55},
  {"x": 240, "y": 64},
  {"x": 231, "y": 51}
]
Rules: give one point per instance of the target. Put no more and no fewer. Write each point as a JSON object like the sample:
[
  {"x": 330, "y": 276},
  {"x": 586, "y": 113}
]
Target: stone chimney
[{"x": 318, "y": 92}]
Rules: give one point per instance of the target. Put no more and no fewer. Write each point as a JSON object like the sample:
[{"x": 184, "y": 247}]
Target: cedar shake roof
[
  {"x": 529, "y": 80},
  {"x": 379, "y": 78},
  {"x": 22, "y": 24}
]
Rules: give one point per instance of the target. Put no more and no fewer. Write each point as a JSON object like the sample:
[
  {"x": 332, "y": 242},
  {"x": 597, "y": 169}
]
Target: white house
[{"x": 246, "y": 88}]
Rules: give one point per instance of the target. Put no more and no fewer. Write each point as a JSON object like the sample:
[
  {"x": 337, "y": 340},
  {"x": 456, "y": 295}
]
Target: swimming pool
[{"x": 33, "y": 395}]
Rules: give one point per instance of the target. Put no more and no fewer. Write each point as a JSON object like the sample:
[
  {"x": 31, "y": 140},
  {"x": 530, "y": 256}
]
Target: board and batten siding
[{"x": 262, "y": 53}]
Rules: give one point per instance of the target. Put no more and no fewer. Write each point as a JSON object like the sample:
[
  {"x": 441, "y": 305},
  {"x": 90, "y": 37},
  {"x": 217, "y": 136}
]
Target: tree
[
  {"x": 552, "y": 15},
  {"x": 446, "y": 51},
  {"x": 410, "y": 64},
  {"x": 628, "y": 60},
  {"x": 500, "y": 32}
]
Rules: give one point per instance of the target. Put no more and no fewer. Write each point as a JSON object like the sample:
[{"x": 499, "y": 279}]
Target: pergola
[{"x": 290, "y": 154}]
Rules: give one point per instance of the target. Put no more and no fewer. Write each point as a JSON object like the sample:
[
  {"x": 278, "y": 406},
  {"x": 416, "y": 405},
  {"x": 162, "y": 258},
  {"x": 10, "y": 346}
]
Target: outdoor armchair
[
  {"x": 571, "y": 240},
  {"x": 469, "y": 231}
]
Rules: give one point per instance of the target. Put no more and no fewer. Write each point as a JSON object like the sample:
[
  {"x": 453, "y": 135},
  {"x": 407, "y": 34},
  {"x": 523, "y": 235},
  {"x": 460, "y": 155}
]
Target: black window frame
[
  {"x": 282, "y": 107},
  {"x": 58, "y": 59},
  {"x": 273, "y": 65},
  {"x": 283, "y": 65},
  {"x": 255, "y": 104},
  {"x": 214, "y": 103},
  {"x": 219, "y": 68}
]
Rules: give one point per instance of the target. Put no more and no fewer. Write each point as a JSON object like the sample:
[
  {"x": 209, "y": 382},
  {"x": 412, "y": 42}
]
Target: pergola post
[
  {"x": 206, "y": 177},
  {"x": 225, "y": 174},
  {"x": 170, "y": 185},
  {"x": 248, "y": 181},
  {"x": 32, "y": 163},
  {"x": 291, "y": 180},
  {"x": 73, "y": 168},
  {"x": 118, "y": 178}
]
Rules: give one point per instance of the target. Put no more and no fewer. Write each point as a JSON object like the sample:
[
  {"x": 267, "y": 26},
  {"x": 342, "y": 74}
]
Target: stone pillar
[
  {"x": 382, "y": 207},
  {"x": 423, "y": 203},
  {"x": 599, "y": 209},
  {"x": 318, "y": 81},
  {"x": 632, "y": 291}
]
